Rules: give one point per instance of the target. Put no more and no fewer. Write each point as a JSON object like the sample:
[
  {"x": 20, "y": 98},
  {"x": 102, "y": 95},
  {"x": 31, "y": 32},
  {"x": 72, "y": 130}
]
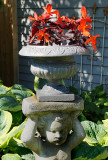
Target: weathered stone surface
[
  {"x": 53, "y": 141},
  {"x": 56, "y": 98},
  {"x": 31, "y": 105},
  {"x": 53, "y": 70},
  {"x": 53, "y": 121},
  {"x": 52, "y": 51},
  {"x": 54, "y": 93}
]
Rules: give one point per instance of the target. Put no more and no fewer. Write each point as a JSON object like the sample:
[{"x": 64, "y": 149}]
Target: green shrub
[
  {"x": 12, "y": 122},
  {"x": 95, "y": 104}
]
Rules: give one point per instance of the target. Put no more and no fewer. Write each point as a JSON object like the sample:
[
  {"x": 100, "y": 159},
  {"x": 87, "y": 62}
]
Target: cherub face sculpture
[
  {"x": 56, "y": 133},
  {"x": 56, "y": 128}
]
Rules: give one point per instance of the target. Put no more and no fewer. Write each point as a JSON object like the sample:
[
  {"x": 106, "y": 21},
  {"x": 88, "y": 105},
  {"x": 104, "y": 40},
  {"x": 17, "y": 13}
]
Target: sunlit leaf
[
  {"x": 87, "y": 152},
  {"x": 3, "y": 89},
  {"x": 15, "y": 132},
  {"x": 94, "y": 133},
  {"x": 8, "y": 102},
  {"x": 5, "y": 122},
  {"x": 11, "y": 157}
]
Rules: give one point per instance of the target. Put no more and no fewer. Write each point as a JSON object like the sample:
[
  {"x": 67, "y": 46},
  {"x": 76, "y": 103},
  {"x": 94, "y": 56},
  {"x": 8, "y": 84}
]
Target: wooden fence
[{"x": 8, "y": 43}]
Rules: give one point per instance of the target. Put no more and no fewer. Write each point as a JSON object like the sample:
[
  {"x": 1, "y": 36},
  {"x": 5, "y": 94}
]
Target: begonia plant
[{"x": 46, "y": 31}]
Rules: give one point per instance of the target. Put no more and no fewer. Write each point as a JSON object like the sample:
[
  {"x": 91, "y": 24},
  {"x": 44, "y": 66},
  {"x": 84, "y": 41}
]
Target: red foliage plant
[{"x": 46, "y": 31}]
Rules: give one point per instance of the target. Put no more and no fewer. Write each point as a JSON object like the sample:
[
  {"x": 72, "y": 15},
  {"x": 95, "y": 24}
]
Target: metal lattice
[{"x": 92, "y": 57}]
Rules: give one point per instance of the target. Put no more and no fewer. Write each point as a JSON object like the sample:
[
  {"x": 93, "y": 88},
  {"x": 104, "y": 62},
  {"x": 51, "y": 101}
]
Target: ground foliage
[{"x": 12, "y": 122}]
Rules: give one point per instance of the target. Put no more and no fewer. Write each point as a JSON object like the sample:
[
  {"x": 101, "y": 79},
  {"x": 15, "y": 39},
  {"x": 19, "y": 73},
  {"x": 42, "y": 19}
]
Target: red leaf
[
  {"x": 84, "y": 12},
  {"x": 93, "y": 41},
  {"x": 31, "y": 18},
  {"x": 49, "y": 8},
  {"x": 35, "y": 16}
]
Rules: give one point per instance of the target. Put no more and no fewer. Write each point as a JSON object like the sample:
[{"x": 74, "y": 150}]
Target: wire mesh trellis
[{"x": 93, "y": 58}]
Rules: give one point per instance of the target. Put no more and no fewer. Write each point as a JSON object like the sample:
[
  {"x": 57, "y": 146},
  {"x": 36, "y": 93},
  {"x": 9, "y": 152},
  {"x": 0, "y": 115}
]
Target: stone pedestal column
[{"x": 52, "y": 129}]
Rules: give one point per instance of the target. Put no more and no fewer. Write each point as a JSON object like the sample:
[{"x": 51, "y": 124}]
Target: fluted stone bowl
[{"x": 53, "y": 63}]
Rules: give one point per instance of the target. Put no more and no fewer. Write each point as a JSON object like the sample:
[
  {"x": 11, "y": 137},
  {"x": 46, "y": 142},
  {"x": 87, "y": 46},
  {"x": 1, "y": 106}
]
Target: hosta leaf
[
  {"x": 17, "y": 118},
  {"x": 28, "y": 156},
  {"x": 5, "y": 122},
  {"x": 20, "y": 94},
  {"x": 94, "y": 133},
  {"x": 3, "y": 89},
  {"x": 9, "y": 102},
  {"x": 87, "y": 152},
  {"x": 105, "y": 122},
  {"x": 16, "y": 146},
  {"x": 15, "y": 132},
  {"x": 19, "y": 87},
  {"x": 11, "y": 157}
]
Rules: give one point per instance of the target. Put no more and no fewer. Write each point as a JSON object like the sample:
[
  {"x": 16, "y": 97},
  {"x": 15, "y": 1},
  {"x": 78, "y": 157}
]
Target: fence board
[{"x": 8, "y": 43}]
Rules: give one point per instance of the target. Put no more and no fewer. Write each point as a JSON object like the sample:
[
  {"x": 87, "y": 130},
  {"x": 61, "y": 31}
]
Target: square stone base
[
  {"x": 55, "y": 98},
  {"x": 32, "y": 106}
]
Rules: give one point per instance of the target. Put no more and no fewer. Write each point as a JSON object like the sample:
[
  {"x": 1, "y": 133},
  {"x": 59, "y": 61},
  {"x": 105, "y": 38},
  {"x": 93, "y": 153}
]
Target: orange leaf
[
  {"x": 86, "y": 33},
  {"x": 84, "y": 12},
  {"x": 49, "y": 8},
  {"x": 39, "y": 38},
  {"x": 31, "y": 18},
  {"x": 46, "y": 38},
  {"x": 94, "y": 46},
  {"x": 35, "y": 16}
]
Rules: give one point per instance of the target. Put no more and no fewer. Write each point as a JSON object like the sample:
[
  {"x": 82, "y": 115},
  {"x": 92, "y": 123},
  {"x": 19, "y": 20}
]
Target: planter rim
[{"x": 53, "y": 51}]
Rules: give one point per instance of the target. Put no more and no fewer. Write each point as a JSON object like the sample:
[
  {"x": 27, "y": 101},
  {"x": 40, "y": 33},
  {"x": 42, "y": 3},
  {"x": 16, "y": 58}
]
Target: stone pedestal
[
  {"x": 58, "y": 129},
  {"x": 52, "y": 129},
  {"x": 32, "y": 106}
]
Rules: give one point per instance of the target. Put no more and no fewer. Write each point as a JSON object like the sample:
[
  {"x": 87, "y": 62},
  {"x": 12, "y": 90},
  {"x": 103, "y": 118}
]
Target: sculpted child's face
[{"x": 56, "y": 133}]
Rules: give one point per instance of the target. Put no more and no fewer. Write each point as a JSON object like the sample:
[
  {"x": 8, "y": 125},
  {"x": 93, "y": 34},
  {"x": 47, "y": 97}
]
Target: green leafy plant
[
  {"x": 95, "y": 144},
  {"x": 12, "y": 122},
  {"x": 95, "y": 104}
]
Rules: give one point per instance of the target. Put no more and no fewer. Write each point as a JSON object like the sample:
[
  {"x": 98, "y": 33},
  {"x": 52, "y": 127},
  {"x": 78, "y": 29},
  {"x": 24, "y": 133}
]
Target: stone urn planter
[
  {"x": 53, "y": 63},
  {"x": 53, "y": 129},
  {"x": 53, "y": 112}
]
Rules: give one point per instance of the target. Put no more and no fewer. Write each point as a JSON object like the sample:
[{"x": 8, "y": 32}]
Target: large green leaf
[
  {"x": 17, "y": 118},
  {"x": 21, "y": 92},
  {"x": 15, "y": 132},
  {"x": 94, "y": 133},
  {"x": 28, "y": 156},
  {"x": 87, "y": 152},
  {"x": 16, "y": 147},
  {"x": 20, "y": 87},
  {"x": 3, "y": 89},
  {"x": 9, "y": 102},
  {"x": 11, "y": 157},
  {"x": 5, "y": 122}
]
